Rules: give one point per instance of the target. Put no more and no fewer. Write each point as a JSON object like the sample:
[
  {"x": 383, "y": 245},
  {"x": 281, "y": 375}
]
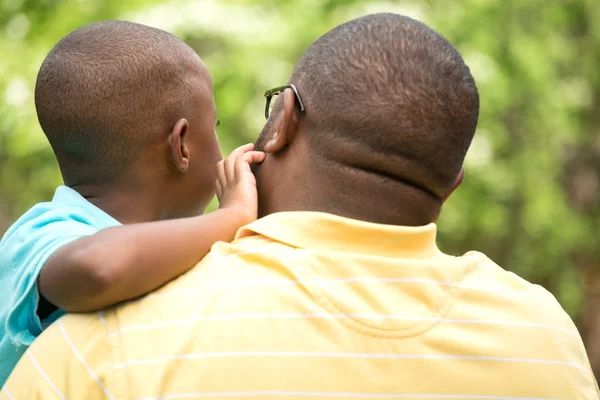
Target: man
[{"x": 340, "y": 290}]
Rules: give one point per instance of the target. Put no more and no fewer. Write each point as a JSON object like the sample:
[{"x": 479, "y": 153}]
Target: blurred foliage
[{"x": 531, "y": 197}]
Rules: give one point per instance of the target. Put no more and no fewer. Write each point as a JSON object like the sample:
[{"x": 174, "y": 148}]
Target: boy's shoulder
[
  {"x": 26, "y": 247},
  {"x": 68, "y": 215},
  {"x": 32, "y": 218},
  {"x": 24, "y": 250}
]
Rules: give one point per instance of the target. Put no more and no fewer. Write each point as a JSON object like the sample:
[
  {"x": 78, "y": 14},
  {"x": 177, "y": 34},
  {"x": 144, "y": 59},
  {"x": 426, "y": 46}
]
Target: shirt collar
[
  {"x": 327, "y": 232},
  {"x": 70, "y": 197}
]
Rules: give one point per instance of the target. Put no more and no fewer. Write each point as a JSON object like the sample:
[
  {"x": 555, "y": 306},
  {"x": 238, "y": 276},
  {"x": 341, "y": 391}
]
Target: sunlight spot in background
[
  {"x": 18, "y": 26},
  {"x": 410, "y": 10},
  {"x": 480, "y": 153},
  {"x": 89, "y": 7},
  {"x": 17, "y": 92},
  {"x": 246, "y": 23},
  {"x": 577, "y": 92},
  {"x": 482, "y": 66},
  {"x": 11, "y": 5},
  {"x": 273, "y": 72}
]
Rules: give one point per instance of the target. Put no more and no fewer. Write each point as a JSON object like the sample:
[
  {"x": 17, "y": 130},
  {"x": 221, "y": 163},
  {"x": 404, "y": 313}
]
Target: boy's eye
[{"x": 217, "y": 123}]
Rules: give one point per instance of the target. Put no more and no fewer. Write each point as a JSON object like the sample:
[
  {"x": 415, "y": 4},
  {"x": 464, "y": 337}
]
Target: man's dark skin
[
  {"x": 383, "y": 133},
  {"x": 298, "y": 182}
]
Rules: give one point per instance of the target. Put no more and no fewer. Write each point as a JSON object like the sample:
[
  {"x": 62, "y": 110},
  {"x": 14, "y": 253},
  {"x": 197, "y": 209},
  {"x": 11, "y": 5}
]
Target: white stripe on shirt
[
  {"x": 346, "y": 355},
  {"x": 8, "y": 394},
  {"x": 336, "y": 395},
  {"x": 332, "y": 282},
  {"x": 85, "y": 364},
  {"x": 41, "y": 371},
  {"x": 334, "y": 317}
]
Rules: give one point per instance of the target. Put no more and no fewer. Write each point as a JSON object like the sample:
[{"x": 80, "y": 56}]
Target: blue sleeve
[{"x": 23, "y": 252}]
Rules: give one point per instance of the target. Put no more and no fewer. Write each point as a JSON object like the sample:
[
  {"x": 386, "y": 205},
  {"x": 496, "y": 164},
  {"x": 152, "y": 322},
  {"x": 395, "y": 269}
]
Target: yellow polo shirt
[{"x": 309, "y": 305}]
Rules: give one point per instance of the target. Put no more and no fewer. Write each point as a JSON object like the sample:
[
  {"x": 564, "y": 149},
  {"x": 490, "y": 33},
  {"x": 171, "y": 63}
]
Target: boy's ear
[
  {"x": 179, "y": 153},
  {"x": 286, "y": 124},
  {"x": 457, "y": 182}
]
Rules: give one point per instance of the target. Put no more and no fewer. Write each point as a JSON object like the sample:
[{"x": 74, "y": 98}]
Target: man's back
[{"x": 312, "y": 305}]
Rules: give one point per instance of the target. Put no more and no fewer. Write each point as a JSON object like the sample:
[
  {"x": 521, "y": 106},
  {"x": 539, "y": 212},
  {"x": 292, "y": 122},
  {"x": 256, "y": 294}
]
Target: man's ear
[
  {"x": 457, "y": 182},
  {"x": 286, "y": 124},
  {"x": 179, "y": 153}
]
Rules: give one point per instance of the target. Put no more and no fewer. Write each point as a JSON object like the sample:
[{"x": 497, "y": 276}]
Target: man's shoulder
[
  {"x": 71, "y": 357},
  {"x": 486, "y": 267},
  {"x": 514, "y": 289},
  {"x": 87, "y": 326},
  {"x": 232, "y": 278},
  {"x": 76, "y": 335},
  {"x": 71, "y": 336}
]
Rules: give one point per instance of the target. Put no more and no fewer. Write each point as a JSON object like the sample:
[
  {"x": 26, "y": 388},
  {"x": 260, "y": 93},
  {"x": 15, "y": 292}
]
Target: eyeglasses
[{"x": 270, "y": 94}]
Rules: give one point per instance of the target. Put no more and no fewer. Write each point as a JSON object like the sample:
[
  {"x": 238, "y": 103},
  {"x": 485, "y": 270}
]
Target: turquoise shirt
[{"x": 24, "y": 250}]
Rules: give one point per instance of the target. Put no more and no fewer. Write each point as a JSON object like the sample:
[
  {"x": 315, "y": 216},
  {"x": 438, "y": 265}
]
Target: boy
[{"x": 130, "y": 115}]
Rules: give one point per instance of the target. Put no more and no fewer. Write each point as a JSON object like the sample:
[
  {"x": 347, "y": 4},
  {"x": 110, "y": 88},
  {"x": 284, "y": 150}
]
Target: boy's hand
[
  {"x": 236, "y": 185},
  {"x": 125, "y": 262}
]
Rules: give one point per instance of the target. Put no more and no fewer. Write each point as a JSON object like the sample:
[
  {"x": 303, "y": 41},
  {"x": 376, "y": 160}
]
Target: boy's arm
[
  {"x": 122, "y": 263},
  {"x": 125, "y": 262}
]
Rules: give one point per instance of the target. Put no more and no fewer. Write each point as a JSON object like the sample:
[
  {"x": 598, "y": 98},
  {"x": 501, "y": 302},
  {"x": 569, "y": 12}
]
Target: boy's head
[{"x": 132, "y": 106}]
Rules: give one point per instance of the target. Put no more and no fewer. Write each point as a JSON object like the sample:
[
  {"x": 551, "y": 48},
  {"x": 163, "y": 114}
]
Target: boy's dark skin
[{"x": 166, "y": 166}]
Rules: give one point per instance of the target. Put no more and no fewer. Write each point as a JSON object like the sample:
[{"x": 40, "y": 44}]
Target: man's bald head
[
  {"x": 390, "y": 109},
  {"x": 106, "y": 90},
  {"x": 387, "y": 93}
]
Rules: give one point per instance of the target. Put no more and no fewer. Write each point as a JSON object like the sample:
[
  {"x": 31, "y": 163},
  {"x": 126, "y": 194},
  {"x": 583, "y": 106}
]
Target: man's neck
[{"x": 357, "y": 195}]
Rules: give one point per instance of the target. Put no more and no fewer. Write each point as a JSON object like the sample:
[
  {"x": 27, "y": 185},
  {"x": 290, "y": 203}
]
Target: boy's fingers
[
  {"x": 233, "y": 157},
  {"x": 229, "y": 168},
  {"x": 242, "y": 169},
  {"x": 248, "y": 147},
  {"x": 237, "y": 153},
  {"x": 242, "y": 165},
  {"x": 252, "y": 157},
  {"x": 236, "y": 156},
  {"x": 218, "y": 189},
  {"x": 221, "y": 177}
]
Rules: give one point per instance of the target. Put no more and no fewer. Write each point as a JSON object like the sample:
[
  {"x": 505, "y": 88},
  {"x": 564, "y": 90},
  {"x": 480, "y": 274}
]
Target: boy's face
[
  {"x": 205, "y": 145},
  {"x": 196, "y": 188}
]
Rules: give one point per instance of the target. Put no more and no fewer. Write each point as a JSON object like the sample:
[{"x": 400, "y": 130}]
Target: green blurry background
[{"x": 531, "y": 197}]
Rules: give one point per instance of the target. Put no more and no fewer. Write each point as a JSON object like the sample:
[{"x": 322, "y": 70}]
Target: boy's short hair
[{"x": 105, "y": 90}]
